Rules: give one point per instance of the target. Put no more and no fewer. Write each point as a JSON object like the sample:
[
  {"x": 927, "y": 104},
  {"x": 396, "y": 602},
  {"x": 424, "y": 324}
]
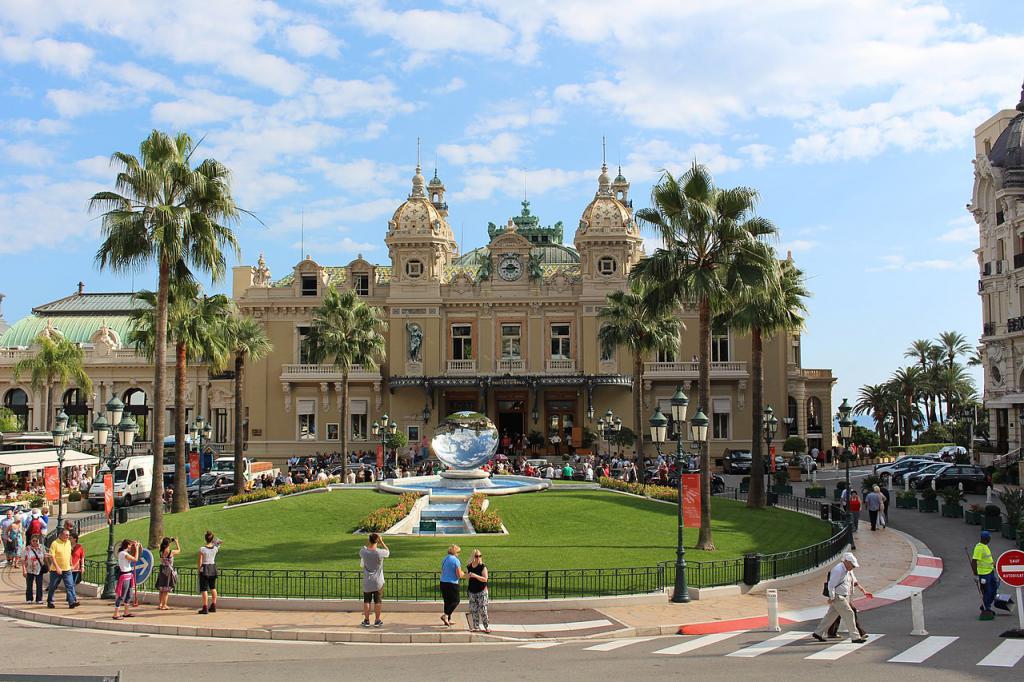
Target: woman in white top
[
  {"x": 208, "y": 572},
  {"x": 127, "y": 555}
]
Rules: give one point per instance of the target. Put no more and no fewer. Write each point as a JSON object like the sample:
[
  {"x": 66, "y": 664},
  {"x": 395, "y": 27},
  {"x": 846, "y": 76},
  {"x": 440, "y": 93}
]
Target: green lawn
[{"x": 563, "y": 528}]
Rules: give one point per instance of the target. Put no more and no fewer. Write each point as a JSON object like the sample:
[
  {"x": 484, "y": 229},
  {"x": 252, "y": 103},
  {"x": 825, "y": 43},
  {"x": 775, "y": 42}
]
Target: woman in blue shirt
[{"x": 451, "y": 573}]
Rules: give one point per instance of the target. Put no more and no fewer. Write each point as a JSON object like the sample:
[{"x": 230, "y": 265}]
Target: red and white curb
[{"x": 926, "y": 571}]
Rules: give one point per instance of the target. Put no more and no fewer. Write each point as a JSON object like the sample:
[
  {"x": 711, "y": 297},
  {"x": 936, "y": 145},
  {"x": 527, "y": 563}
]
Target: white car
[{"x": 951, "y": 452}]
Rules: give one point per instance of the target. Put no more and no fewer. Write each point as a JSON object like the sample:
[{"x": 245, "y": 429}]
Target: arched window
[
  {"x": 137, "y": 405},
  {"x": 814, "y": 415},
  {"x": 791, "y": 413},
  {"x": 76, "y": 408},
  {"x": 16, "y": 400}
]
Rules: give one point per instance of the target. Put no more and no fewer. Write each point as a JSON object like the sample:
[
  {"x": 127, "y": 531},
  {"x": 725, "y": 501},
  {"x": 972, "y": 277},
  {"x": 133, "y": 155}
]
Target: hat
[
  {"x": 985, "y": 535},
  {"x": 852, "y": 559}
]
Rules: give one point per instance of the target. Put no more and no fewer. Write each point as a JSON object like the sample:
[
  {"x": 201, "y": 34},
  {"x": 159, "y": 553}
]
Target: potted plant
[
  {"x": 870, "y": 482},
  {"x": 972, "y": 515},
  {"x": 815, "y": 490},
  {"x": 907, "y": 500},
  {"x": 745, "y": 484},
  {"x": 929, "y": 501},
  {"x": 793, "y": 470},
  {"x": 1013, "y": 503},
  {"x": 782, "y": 486},
  {"x": 951, "y": 498},
  {"x": 993, "y": 518},
  {"x": 840, "y": 487}
]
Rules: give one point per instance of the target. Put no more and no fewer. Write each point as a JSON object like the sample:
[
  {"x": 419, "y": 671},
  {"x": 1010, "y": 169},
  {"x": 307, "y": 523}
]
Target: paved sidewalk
[{"x": 886, "y": 558}]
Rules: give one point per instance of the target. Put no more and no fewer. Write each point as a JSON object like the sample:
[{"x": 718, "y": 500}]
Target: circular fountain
[{"x": 463, "y": 442}]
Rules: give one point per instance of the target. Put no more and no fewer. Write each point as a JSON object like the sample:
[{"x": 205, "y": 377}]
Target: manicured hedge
[
  {"x": 484, "y": 521},
  {"x": 379, "y": 520},
  {"x": 922, "y": 449},
  {"x": 656, "y": 492}
]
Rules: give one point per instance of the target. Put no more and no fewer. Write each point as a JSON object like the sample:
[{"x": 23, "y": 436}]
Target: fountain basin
[{"x": 461, "y": 486}]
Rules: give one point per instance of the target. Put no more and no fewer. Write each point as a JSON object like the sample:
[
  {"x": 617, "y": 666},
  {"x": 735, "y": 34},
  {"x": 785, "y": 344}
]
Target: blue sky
[{"x": 854, "y": 119}]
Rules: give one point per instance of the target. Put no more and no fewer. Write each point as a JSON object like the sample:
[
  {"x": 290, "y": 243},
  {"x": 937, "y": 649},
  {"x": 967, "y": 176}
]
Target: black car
[
  {"x": 215, "y": 487},
  {"x": 973, "y": 477},
  {"x": 737, "y": 462}
]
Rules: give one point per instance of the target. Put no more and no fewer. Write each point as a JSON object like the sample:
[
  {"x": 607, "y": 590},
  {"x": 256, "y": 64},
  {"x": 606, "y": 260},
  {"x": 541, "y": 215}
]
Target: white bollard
[
  {"x": 906, "y": 483},
  {"x": 960, "y": 487},
  {"x": 773, "y": 610},
  {"x": 988, "y": 495},
  {"x": 933, "y": 484},
  {"x": 917, "y": 613}
]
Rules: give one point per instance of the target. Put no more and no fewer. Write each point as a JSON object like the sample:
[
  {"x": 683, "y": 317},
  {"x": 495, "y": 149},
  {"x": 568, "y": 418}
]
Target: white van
[{"x": 133, "y": 482}]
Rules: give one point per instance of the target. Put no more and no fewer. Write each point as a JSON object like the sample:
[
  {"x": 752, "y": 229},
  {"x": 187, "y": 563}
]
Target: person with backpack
[
  {"x": 36, "y": 525},
  {"x": 33, "y": 568}
]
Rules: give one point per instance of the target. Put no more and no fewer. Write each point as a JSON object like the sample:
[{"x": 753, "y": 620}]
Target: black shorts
[
  {"x": 207, "y": 582},
  {"x": 372, "y": 596}
]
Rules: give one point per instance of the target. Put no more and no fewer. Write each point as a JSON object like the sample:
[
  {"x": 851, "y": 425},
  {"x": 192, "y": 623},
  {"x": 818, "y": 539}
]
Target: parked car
[
  {"x": 737, "y": 462},
  {"x": 973, "y": 477},
  {"x": 900, "y": 465},
  {"x": 214, "y": 487},
  {"x": 717, "y": 482},
  {"x": 951, "y": 452},
  {"x": 915, "y": 472}
]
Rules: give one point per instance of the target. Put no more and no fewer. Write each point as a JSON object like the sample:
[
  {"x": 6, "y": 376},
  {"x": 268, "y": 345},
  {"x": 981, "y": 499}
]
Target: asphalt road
[{"x": 959, "y": 640}]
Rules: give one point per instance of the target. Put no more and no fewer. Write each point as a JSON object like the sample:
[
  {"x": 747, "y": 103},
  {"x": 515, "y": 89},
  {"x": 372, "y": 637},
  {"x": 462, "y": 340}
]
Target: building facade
[
  {"x": 997, "y": 205},
  {"x": 509, "y": 329}
]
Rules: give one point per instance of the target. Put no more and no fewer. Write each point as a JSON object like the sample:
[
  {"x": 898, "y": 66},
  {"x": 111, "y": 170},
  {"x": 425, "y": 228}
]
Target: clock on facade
[{"x": 510, "y": 268}]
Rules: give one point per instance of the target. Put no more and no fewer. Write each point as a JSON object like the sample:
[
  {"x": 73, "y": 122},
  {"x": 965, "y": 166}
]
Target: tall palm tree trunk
[
  {"x": 638, "y": 401},
  {"x": 239, "y": 434},
  {"x": 49, "y": 405},
  {"x": 156, "y": 504},
  {"x": 343, "y": 427},
  {"x": 908, "y": 421},
  {"x": 756, "y": 494},
  {"x": 704, "y": 539},
  {"x": 180, "y": 501}
]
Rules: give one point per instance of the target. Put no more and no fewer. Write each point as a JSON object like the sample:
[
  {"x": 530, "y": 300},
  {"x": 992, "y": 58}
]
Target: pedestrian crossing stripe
[
  {"x": 837, "y": 651},
  {"x": 699, "y": 643},
  {"x": 924, "y": 650},
  {"x": 769, "y": 644},
  {"x": 538, "y": 645},
  {"x": 1005, "y": 655},
  {"x": 617, "y": 644}
]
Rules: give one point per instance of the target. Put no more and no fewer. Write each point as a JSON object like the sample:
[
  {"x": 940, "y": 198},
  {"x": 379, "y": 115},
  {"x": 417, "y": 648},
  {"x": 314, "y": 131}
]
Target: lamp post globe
[{"x": 115, "y": 408}]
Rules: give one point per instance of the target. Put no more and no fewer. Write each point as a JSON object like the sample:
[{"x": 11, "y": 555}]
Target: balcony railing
[
  {"x": 511, "y": 365},
  {"x": 561, "y": 365},
  {"x": 311, "y": 372},
  {"x": 671, "y": 370},
  {"x": 462, "y": 366},
  {"x": 988, "y": 329},
  {"x": 1015, "y": 324}
]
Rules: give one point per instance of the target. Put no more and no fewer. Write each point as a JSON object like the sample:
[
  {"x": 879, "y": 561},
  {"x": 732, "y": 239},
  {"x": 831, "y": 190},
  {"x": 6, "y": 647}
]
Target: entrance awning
[{"x": 31, "y": 460}]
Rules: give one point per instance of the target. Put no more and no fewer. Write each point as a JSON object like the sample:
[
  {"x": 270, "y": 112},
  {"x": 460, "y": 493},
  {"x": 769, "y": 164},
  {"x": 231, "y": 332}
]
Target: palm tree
[
  {"x": 763, "y": 311},
  {"x": 919, "y": 350},
  {"x": 711, "y": 241},
  {"x": 628, "y": 321},
  {"x": 248, "y": 340},
  {"x": 953, "y": 345},
  {"x": 877, "y": 400},
  {"x": 907, "y": 384},
  {"x": 166, "y": 212},
  {"x": 974, "y": 357},
  {"x": 348, "y": 332},
  {"x": 195, "y": 327},
  {"x": 56, "y": 362}
]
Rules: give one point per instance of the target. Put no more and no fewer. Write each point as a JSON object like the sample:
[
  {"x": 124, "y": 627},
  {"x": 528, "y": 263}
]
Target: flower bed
[
  {"x": 655, "y": 492},
  {"x": 254, "y": 496},
  {"x": 279, "y": 491},
  {"x": 379, "y": 520},
  {"x": 483, "y": 520}
]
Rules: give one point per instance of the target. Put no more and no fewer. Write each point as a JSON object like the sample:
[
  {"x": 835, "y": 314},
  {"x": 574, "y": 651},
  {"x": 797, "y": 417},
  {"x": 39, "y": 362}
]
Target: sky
[{"x": 852, "y": 118}]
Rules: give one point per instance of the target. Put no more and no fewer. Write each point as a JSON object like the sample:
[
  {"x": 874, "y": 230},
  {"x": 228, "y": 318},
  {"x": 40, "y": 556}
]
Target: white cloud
[
  {"x": 26, "y": 153},
  {"x": 961, "y": 230},
  {"x": 200, "y": 106},
  {"x": 501, "y": 148},
  {"x": 798, "y": 246},
  {"x": 100, "y": 97},
  {"x": 514, "y": 115},
  {"x": 139, "y": 77},
  {"x": 330, "y": 213},
  {"x": 454, "y": 85},
  {"x": 483, "y": 183},
  {"x": 41, "y": 126},
  {"x": 333, "y": 98},
  {"x": 359, "y": 175},
  {"x": 647, "y": 159},
  {"x": 69, "y": 57},
  {"x": 310, "y": 40},
  {"x": 41, "y": 213},
  {"x": 343, "y": 245},
  {"x": 760, "y": 155},
  {"x": 96, "y": 167},
  {"x": 901, "y": 263}
]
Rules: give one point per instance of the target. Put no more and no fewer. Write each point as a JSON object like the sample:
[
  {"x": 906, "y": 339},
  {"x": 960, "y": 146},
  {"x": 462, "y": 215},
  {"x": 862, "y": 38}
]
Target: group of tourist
[
  {"x": 371, "y": 559},
  {"x": 64, "y": 559},
  {"x": 876, "y": 501}
]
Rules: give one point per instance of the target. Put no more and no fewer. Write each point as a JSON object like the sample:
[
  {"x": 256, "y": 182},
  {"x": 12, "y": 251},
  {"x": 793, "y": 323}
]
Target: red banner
[
  {"x": 193, "y": 466},
  {"x": 108, "y": 495},
  {"x": 380, "y": 456},
  {"x": 51, "y": 480},
  {"x": 691, "y": 500}
]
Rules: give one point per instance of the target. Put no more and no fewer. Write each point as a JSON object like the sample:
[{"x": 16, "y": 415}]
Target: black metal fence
[{"x": 506, "y": 585}]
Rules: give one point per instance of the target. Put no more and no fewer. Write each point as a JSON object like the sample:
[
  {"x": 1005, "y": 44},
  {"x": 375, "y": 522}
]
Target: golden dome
[{"x": 606, "y": 215}]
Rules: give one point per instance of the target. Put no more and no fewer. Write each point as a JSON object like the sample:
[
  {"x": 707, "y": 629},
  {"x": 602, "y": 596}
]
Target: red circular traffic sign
[{"x": 1010, "y": 567}]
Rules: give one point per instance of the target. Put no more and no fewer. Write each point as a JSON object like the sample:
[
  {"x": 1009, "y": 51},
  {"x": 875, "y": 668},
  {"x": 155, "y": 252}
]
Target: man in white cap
[{"x": 839, "y": 591}]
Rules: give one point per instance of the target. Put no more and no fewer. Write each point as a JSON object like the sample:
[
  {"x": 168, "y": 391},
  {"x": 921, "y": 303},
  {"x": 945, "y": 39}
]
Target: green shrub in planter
[
  {"x": 745, "y": 484},
  {"x": 1007, "y": 531},
  {"x": 783, "y": 489},
  {"x": 951, "y": 498},
  {"x": 815, "y": 491},
  {"x": 871, "y": 481},
  {"x": 993, "y": 518},
  {"x": 972, "y": 515},
  {"x": 929, "y": 501},
  {"x": 1013, "y": 504},
  {"x": 75, "y": 496},
  {"x": 906, "y": 500}
]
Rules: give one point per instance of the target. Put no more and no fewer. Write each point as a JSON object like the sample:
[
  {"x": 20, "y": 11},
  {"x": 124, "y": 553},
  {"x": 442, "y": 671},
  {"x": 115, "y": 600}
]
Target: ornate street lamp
[
  {"x": 123, "y": 428},
  {"x": 846, "y": 431},
  {"x": 769, "y": 424},
  {"x": 680, "y": 595},
  {"x": 60, "y": 436}
]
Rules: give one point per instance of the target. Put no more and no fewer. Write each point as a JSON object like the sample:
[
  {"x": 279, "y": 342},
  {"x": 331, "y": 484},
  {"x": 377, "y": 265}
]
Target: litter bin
[
  {"x": 825, "y": 513},
  {"x": 837, "y": 513},
  {"x": 751, "y": 569},
  {"x": 773, "y": 498},
  {"x": 122, "y": 514}
]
